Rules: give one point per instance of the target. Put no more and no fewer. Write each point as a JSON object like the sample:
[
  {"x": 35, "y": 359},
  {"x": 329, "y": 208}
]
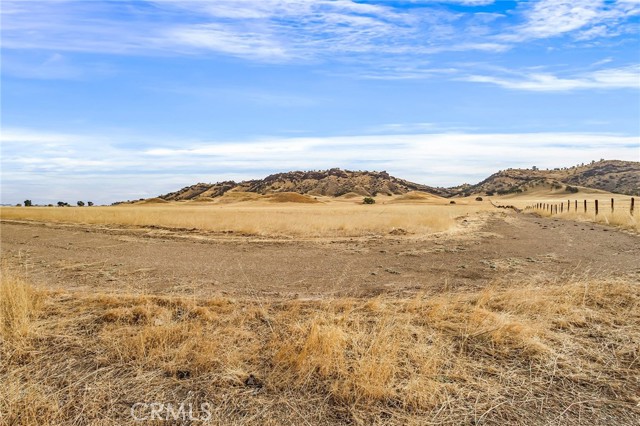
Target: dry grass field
[
  {"x": 513, "y": 353},
  {"x": 322, "y": 219},
  {"x": 409, "y": 311},
  {"x": 621, "y": 216}
]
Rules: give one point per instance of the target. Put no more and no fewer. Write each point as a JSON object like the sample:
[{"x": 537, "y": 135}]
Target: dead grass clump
[
  {"x": 539, "y": 353},
  {"x": 18, "y": 306}
]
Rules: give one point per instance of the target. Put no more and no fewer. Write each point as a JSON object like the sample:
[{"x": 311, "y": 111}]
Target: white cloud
[
  {"x": 260, "y": 30},
  {"x": 613, "y": 78},
  {"x": 584, "y": 19},
  {"x": 96, "y": 168},
  {"x": 219, "y": 38}
]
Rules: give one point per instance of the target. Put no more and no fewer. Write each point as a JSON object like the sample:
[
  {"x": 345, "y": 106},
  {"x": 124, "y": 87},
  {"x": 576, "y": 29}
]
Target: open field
[
  {"x": 333, "y": 313},
  {"x": 324, "y": 219}
]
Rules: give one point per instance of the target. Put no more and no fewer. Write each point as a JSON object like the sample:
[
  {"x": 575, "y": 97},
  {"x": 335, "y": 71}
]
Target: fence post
[
  {"x": 612, "y": 205},
  {"x": 633, "y": 201},
  {"x": 561, "y": 207},
  {"x": 596, "y": 207},
  {"x": 585, "y": 206},
  {"x": 576, "y": 206}
]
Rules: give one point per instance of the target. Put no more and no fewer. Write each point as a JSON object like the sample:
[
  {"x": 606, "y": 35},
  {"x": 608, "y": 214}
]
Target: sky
[{"x": 117, "y": 100}]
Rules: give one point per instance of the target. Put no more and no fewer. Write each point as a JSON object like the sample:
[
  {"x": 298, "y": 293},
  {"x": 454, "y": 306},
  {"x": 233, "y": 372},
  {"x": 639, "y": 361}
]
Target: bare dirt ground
[{"x": 502, "y": 246}]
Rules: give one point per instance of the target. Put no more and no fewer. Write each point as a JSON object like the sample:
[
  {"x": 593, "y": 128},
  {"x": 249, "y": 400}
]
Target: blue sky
[{"x": 113, "y": 100}]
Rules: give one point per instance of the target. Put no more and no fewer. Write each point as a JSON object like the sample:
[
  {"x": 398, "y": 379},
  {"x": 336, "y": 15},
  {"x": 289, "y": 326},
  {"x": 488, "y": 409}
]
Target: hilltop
[
  {"x": 332, "y": 183},
  {"x": 622, "y": 177}
]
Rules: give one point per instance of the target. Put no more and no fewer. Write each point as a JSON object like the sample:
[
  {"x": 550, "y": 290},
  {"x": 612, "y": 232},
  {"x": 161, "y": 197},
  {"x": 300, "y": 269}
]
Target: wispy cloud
[
  {"x": 584, "y": 19},
  {"x": 76, "y": 166},
  {"x": 372, "y": 37},
  {"x": 612, "y": 78},
  {"x": 262, "y": 30}
]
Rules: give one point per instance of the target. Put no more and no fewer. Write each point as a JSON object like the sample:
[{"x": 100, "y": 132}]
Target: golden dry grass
[
  {"x": 534, "y": 353},
  {"x": 262, "y": 218},
  {"x": 620, "y": 217}
]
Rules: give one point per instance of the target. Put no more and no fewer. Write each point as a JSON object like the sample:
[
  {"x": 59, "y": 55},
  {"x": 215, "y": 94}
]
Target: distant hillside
[
  {"x": 333, "y": 183},
  {"x": 621, "y": 177}
]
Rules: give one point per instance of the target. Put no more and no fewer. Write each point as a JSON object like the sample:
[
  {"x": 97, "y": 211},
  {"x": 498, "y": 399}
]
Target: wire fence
[{"x": 585, "y": 206}]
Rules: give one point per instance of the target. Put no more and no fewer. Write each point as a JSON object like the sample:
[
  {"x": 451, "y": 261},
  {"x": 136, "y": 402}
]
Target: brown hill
[
  {"x": 611, "y": 175},
  {"x": 621, "y": 177},
  {"x": 332, "y": 183}
]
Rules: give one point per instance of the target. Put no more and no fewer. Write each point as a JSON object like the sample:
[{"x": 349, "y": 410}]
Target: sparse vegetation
[
  {"x": 397, "y": 352},
  {"x": 453, "y": 358},
  {"x": 265, "y": 218},
  {"x": 368, "y": 200}
]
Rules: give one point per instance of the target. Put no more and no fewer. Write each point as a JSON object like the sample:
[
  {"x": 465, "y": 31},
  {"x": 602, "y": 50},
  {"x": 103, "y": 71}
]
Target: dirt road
[{"x": 501, "y": 246}]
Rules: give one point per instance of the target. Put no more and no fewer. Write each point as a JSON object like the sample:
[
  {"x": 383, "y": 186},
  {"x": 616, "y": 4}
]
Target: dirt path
[{"x": 506, "y": 246}]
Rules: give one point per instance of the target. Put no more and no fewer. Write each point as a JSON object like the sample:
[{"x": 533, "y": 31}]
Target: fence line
[{"x": 553, "y": 208}]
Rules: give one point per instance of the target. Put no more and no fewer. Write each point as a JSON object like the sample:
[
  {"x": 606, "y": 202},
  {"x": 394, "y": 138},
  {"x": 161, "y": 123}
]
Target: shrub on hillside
[{"x": 368, "y": 200}]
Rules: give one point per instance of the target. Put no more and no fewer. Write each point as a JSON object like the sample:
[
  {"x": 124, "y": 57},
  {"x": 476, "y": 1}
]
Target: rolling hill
[
  {"x": 332, "y": 183},
  {"x": 622, "y": 177}
]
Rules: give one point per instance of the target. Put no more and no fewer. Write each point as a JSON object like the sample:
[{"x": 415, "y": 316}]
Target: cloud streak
[
  {"x": 284, "y": 30},
  {"x": 613, "y": 78}
]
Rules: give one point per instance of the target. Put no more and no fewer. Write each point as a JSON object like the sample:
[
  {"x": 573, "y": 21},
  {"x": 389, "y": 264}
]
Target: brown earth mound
[
  {"x": 417, "y": 196},
  {"x": 238, "y": 197},
  {"x": 154, "y": 200},
  {"x": 350, "y": 195},
  {"x": 290, "y": 197}
]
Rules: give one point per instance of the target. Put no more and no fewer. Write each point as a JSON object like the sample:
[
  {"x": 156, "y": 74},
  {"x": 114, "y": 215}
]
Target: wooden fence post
[
  {"x": 596, "y": 207},
  {"x": 561, "y": 207},
  {"x": 568, "y": 205},
  {"x": 576, "y": 206},
  {"x": 633, "y": 201},
  {"x": 612, "y": 205},
  {"x": 585, "y": 206}
]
